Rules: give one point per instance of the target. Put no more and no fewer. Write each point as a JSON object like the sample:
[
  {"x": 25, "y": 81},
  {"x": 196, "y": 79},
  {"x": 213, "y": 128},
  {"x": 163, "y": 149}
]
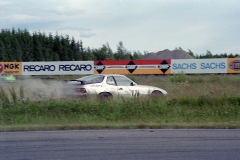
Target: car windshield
[
  {"x": 91, "y": 79},
  {"x": 123, "y": 81}
]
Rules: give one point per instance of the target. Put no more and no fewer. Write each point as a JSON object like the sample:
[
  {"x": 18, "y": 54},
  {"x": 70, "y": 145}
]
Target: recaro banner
[
  {"x": 13, "y": 68},
  {"x": 132, "y": 67},
  {"x": 195, "y": 66},
  {"x": 57, "y": 68}
]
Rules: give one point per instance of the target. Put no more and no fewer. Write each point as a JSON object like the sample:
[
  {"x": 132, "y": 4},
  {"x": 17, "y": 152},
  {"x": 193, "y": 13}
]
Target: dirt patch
[{"x": 167, "y": 54}]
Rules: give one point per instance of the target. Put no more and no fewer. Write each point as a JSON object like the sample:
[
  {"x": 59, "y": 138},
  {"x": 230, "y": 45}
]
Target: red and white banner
[{"x": 132, "y": 67}]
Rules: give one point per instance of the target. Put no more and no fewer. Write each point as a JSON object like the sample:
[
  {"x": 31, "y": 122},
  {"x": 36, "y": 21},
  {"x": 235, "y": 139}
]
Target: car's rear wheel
[
  {"x": 104, "y": 95},
  {"x": 156, "y": 93}
]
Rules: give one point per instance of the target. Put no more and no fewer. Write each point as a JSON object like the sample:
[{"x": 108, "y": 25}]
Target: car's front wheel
[
  {"x": 104, "y": 95},
  {"x": 156, "y": 93}
]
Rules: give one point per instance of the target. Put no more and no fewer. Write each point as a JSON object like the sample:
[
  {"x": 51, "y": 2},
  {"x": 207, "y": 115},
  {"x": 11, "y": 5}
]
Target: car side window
[
  {"x": 111, "y": 81},
  {"x": 122, "y": 81}
]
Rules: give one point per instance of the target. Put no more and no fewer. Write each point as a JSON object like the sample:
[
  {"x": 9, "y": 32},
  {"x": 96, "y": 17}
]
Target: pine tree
[
  {"x": 136, "y": 55},
  {"x": 27, "y": 46},
  {"x": 122, "y": 53},
  {"x": 191, "y": 53},
  {"x": 2, "y": 52},
  {"x": 64, "y": 45},
  {"x": 8, "y": 46},
  {"x": 37, "y": 48},
  {"x": 109, "y": 51},
  {"x": 49, "y": 53}
]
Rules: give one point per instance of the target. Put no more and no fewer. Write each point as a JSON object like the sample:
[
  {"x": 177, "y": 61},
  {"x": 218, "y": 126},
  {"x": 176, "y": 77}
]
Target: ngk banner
[
  {"x": 13, "y": 68},
  {"x": 57, "y": 68},
  {"x": 132, "y": 67}
]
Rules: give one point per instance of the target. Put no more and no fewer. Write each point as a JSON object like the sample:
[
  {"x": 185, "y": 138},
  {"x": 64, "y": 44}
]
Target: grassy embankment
[{"x": 198, "y": 101}]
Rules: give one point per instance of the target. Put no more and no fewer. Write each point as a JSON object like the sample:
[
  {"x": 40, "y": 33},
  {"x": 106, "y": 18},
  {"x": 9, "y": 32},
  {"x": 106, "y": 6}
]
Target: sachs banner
[
  {"x": 199, "y": 66},
  {"x": 12, "y": 68},
  {"x": 132, "y": 67},
  {"x": 57, "y": 68}
]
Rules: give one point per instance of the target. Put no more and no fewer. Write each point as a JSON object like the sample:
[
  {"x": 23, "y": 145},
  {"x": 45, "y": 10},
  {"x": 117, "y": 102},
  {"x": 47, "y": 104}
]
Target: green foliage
[
  {"x": 13, "y": 94},
  {"x": 196, "y": 79},
  {"x": 183, "y": 78},
  {"x": 193, "y": 100},
  {"x": 4, "y": 100},
  {"x": 210, "y": 55},
  {"x": 136, "y": 55},
  {"x": 122, "y": 53},
  {"x": 21, "y": 93},
  {"x": 206, "y": 101},
  {"x": 21, "y": 45},
  {"x": 126, "y": 110},
  {"x": 191, "y": 53},
  {"x": 180, "y": 78}
]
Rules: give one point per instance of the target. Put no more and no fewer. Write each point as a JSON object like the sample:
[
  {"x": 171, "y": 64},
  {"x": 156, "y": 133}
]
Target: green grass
[{"x": 209, "y": 101}]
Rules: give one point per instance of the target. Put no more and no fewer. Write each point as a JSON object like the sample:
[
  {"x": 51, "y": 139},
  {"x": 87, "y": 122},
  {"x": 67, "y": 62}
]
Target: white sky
[{"x": 142, "y": 25}]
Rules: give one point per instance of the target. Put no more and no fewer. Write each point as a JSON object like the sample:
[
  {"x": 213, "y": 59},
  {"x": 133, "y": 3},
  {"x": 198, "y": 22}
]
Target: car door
[
  {"x": 125, "y": 86},
  {"x": 111, "y": 86}
]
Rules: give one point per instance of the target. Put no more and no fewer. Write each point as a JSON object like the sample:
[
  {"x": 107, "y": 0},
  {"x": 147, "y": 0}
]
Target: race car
[
  {"x": 108, "y": 85},
  {"x": 7, "y": 78}
]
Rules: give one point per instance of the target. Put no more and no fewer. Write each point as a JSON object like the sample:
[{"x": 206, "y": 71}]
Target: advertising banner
[
  {"x": 132, "y": 67},
  {"x": 57, "y": 68},
  {"x": 12, "y": 68},
  {"x": 233, "y": 65},
  {"x": 167, "y": 66},
  {"x": 201, "y": 66}
]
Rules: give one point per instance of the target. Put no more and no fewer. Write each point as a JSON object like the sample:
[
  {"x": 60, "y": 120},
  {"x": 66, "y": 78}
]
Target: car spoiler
[{"x": 74, "y": 80}]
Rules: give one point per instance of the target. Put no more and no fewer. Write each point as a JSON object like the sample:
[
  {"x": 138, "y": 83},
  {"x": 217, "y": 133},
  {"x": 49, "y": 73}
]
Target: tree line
[
  {"x": 209, "y": 54},
  {"x": 22, "y": 46}
]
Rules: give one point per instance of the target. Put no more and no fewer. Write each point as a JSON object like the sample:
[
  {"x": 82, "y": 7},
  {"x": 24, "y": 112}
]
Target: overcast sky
[{"x": 142, "y": 25}]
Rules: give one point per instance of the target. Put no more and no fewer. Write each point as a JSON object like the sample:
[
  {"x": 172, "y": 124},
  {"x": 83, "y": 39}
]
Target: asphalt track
[{"x": 146, "y": 144}]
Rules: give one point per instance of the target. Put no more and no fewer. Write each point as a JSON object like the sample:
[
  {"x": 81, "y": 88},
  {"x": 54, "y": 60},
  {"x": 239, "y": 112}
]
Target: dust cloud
[{"x": 35, "y": 89}]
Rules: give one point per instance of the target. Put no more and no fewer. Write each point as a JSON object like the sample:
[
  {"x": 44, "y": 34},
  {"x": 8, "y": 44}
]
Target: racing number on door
[{"x": 134, "y": 92}]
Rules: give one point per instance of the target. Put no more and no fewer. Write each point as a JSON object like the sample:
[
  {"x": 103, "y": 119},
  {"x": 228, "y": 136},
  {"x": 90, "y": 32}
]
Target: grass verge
[
  {"x": 139, "y": 112},
  {"x": 193, "y": 102}
]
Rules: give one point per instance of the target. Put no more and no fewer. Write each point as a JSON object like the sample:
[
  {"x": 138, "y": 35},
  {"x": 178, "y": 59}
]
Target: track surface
[{"x": 144, "y": 144}]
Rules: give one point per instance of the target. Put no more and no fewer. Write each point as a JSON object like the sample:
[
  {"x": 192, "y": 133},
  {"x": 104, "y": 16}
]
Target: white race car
[{"x": 108, "y": 85}]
